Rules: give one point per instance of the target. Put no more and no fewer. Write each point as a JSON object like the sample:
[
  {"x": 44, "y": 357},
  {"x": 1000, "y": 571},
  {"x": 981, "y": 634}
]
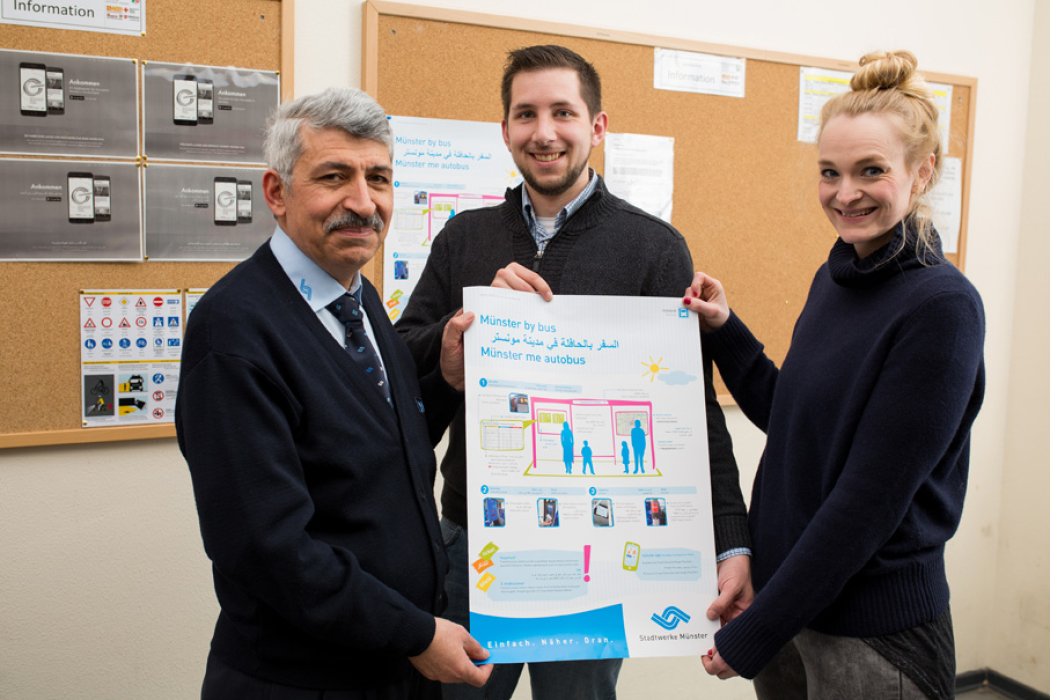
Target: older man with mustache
[{"x": 310, "y": 439}]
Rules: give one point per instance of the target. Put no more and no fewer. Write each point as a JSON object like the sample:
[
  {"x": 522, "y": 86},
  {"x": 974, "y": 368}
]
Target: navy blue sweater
[
  {"x": 314, "y": 497},
  {"x": 867, "y": 452}
]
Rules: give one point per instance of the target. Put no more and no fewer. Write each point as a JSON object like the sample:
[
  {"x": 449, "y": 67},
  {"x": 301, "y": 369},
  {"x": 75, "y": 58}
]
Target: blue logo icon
[
  {"x": 173, "y": 342},
  {"x": 173, "y": 321},
  {"x": 158, "y": 378},
  {"x": 683, "y": 313},
  {"x": 107, "y": 343},
  {"x": 394, "y": 256},
  {"x": 125, "y": 343},
  {"x": 484, "y": 489},
  {"x": 89, "y": 344},
  {"x": 141, "y": 342},
  {"x": 593, "y": 491},
  {"x": 484, "y": 382},
  {"x": 671, "y": 617},
  {"x": 158, "y": 321},
  {"x": 305, "y": 289}
]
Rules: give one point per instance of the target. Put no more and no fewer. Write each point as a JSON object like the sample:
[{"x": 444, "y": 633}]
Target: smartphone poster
[
  {"x": 204, "y": 213},
  {"x": 601, "y": 542},
  {"x": 206, "y": 114},
  {"x": 67, "y": 105},
  {"x": 69, "y": 210}
]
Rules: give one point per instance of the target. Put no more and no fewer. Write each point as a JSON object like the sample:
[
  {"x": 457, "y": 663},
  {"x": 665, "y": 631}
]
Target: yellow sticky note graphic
[{"x": 485, "y": 582}]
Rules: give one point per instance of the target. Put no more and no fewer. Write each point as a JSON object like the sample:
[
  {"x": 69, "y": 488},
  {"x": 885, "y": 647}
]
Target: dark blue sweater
[
  {"x": 314, "y": 497},
  {"x": 867, "y": 452}
]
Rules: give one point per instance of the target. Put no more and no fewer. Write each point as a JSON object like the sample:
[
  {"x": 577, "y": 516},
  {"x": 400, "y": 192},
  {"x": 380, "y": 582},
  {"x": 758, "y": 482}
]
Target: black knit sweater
[
  {"x": 608, "y": 247},
  {"x": 868, "y": 440}
]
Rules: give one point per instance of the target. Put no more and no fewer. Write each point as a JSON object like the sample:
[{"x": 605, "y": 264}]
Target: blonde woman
[{"x": 867, "y": 421}]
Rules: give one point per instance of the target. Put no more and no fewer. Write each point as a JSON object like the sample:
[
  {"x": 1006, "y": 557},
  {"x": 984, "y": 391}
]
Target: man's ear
[
  {"x": 600, "y": 129},
  {"x": 275, "y": 191}
]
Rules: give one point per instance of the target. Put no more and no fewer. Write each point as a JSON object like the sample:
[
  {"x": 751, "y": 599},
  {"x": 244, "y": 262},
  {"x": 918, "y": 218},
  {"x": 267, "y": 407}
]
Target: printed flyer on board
[{"x": 589, "y": 495}]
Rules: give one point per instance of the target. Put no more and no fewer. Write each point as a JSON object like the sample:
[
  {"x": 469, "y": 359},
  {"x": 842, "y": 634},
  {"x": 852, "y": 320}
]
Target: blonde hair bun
[{"x": 887, "y": 70}]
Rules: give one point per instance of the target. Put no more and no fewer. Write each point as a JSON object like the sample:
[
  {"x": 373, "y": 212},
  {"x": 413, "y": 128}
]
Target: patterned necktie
[{"x": 348, "y": 310}]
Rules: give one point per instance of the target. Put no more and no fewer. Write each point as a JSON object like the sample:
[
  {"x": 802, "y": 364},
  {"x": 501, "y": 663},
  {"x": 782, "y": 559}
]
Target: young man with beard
[{"x": 560, "y": 232}]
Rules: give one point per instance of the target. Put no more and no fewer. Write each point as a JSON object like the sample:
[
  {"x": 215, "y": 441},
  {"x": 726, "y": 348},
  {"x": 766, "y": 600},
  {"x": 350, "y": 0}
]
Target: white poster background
[
  {"x": 687, "y": 71},
  {"x": 130, "y": 350},
  {"x": 441, "y": 167},
  {"x": 598, "y": 544},
  {"x": 105, "y": 16},
  {"x": 815, "y": 87},
  {"x": 946, "y": 202},
  {"x": 640, "y": 169},
  {"x": 818, "y": 85}
]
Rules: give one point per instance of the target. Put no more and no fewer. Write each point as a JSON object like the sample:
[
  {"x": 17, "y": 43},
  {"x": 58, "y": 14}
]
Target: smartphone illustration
[
  {"x": 80, "y": 189},
  {"x": 631, "y": 554},
  {"x": 56, "y": 91},
  {"x": 32, "y": 83},
  {"x": 225, "y": 201},
  {"x": 205, "y": 101},
  {"x": 101, "y": 190},
  {"x": 244, "y": 201},
  {"x": 184, "y": 96}
]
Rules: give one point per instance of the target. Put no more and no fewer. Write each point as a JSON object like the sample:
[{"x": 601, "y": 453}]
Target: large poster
[
  {"x": 206, "y": 114},
  {"x": 69, "y": 210},
  {"x": 204, "y": 213},
  {"x": 589, "y": 495},
  {"x": 66, "y": 105},
  {"x": 441, "y": 167}
]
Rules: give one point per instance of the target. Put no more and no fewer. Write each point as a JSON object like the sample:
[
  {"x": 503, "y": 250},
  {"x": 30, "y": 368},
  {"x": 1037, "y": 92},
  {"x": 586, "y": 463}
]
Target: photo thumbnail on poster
[
  {"x": 66, "y": 105},
  {"x": 69, "y": 210},
  {"x": 205, "y": 113}
]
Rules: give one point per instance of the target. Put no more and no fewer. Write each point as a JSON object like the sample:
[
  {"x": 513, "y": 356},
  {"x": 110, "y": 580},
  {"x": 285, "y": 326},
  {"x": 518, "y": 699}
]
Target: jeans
[
  {"x": 816, "y": 666},
  {"x": 552, "y": 680}
]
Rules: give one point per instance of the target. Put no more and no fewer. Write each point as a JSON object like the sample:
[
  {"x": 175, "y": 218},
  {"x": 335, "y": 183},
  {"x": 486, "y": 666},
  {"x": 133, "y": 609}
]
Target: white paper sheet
[{"x": 640, "y": 169}]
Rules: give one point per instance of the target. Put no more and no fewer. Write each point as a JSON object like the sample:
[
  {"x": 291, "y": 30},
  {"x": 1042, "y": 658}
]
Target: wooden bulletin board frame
[
  {"x": 745, "y": 188},
  {"x": 39, "y": 311}
]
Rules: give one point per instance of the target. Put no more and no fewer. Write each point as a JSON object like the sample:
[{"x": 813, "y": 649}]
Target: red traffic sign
[
  {"x": 107, "y": 302},
  {"x": 158, "y": 413},
  {"x": 158, "y": 301},
  {"x": 158, "y": 395}
]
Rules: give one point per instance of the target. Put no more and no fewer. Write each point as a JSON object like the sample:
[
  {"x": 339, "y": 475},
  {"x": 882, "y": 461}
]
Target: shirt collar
[
  {"x": 568, "y": 210},
  {"x": 317, "y": 287}
]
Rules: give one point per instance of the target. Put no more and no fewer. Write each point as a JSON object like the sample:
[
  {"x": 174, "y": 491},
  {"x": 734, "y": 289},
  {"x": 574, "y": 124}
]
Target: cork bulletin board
[
  {"x": 745, "y": 190},
  {"x": 39, "y": 307}
]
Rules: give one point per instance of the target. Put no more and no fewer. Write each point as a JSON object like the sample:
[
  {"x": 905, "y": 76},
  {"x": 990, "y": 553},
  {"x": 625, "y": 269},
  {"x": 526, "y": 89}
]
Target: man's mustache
[{"x": 352, "y": 220}]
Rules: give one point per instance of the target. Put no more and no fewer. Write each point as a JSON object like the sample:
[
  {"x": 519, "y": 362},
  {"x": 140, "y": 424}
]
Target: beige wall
[
  {"x": 1020, "y": 639},
  {"x": 106, "y": 593}
]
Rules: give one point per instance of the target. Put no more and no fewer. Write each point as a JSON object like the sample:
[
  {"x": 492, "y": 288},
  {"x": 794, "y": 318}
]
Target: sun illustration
[{"x": 652, "y": 368}]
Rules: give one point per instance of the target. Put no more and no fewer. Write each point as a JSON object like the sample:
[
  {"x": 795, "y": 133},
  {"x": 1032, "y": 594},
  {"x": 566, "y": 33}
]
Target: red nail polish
[{"x": 711, "y": 652}]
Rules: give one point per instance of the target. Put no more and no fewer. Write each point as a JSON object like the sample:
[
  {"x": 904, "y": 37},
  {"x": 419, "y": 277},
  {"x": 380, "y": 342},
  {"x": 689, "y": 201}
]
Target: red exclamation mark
[{"x": 586, "y": 562}]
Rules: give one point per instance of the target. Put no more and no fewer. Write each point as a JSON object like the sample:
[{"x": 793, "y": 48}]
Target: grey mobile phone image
[
  {"x": 56, "y": 91},
  {"x": 184, "y": 100},
  {"x": 32, "y": 84},
  {"x": 80, "y": 189},
  {"x": 205, "y": 101},
  {"x": 102, "y": 202},
  {"x": 244, "y": 201},
  {"x": 225, "y": 201}
]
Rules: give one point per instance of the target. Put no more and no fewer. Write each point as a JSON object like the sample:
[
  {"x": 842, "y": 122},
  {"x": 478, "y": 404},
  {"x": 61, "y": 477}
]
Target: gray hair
[{"x": 349, "y": 109}]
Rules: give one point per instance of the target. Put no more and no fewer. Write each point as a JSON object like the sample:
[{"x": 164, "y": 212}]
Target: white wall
[
  {"x": 1020, "y": 602},
  {"x": 105, "y": 591}
]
